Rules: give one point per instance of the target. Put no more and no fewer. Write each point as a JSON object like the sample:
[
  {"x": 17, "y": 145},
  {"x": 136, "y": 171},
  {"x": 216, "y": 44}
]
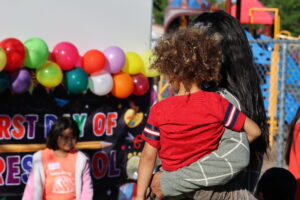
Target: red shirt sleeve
[
  {"x": 151, "y": 133},
  {"x": 232, "y": 118}
]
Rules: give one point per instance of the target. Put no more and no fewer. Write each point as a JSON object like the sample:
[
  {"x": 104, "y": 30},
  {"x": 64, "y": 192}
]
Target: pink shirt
[{"x": 59, "y": 175}]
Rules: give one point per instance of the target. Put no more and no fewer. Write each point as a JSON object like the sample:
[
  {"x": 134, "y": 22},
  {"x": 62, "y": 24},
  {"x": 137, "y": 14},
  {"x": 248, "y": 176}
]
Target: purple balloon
[
  {"x": 20, "y": 80},
  {"x": 115, "y": 59},
  {"x": 141, "y": 84}
]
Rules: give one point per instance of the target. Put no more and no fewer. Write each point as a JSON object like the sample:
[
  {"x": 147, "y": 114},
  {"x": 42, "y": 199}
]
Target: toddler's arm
[
  {"x": 252, "y": 130},
  {"x": 146, "y": 167}
]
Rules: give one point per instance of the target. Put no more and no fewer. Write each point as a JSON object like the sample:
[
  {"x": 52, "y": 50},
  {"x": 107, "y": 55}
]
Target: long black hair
[
  {"x": 239, "y": 75},
  {"x": 57, "y": 128},
  {"x": 290, "y": 137}
]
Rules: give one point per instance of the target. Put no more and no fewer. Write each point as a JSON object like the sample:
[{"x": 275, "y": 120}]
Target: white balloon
[{"x": 101, "y": 84}]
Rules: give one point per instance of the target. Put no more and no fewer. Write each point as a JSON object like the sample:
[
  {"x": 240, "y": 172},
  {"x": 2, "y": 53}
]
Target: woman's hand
[
  {"x": 139, "y": 198},
  {"x": 155, "y": 187}
]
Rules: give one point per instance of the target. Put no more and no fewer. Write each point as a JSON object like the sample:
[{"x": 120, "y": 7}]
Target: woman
[
  {"x": 240, "y": 85},
  {"x": 293, "y": 150}
]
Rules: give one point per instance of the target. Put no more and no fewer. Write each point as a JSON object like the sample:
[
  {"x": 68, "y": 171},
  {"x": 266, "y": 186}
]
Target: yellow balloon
[
  {"x": 133, "y": 64},
  {"x": 3, "y": 59},
  {"x": 148, "y": 58},
  {"x": 49, "y": 74}
]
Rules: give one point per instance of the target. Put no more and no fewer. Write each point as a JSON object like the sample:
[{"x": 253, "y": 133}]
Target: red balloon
[
  {"x": 141, "y": 84},
  {"x": 15, "y": 53}
]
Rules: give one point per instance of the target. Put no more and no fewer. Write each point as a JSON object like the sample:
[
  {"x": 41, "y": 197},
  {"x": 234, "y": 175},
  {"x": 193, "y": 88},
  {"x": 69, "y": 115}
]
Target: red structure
[{"x": 242, "y": 12}]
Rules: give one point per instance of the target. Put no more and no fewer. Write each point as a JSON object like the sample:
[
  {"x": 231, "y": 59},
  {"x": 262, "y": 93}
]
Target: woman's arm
[
  {"x": 214, "y": 169},
  {"x": 146, "y": 167},
  {"x": 217, "y": 168}
]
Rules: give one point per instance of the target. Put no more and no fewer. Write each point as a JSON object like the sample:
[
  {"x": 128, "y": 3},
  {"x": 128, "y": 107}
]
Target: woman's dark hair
[
  {"x": 239, "y": 75},
  {"x": 57, "y": 128},
  {"x": 290, "y": 138}
]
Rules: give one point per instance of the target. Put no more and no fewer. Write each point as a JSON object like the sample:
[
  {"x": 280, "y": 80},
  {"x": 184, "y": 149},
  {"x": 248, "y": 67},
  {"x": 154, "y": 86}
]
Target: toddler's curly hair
[{"x": 191, "y": 55}]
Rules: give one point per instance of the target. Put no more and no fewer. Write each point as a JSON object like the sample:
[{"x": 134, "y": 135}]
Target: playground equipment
[{"x": 178, "y": 10}]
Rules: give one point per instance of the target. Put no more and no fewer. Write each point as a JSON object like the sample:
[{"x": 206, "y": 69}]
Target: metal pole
[{"x": 281, "y": 107}]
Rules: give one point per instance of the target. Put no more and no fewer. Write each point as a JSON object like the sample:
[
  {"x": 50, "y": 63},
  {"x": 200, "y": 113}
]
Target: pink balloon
[
  {"x": 65, "y": 54},
  {"x": 141, "y": 84}
]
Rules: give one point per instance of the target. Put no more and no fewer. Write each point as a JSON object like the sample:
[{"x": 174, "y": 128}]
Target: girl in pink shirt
[{"x": 59, "y": 171}]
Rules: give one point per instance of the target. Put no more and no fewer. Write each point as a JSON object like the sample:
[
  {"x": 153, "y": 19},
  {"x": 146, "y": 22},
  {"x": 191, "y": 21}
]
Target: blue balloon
[{"x": 76, "y": 80}]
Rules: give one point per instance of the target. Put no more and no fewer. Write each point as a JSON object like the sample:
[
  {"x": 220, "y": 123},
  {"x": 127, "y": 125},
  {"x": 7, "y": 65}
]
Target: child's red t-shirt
[{"x": 187, "y": 127}]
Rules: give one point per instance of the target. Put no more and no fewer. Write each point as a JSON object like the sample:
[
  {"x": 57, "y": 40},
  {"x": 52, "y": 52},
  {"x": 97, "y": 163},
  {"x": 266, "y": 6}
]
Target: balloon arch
[{"x": 23, "y": 66}]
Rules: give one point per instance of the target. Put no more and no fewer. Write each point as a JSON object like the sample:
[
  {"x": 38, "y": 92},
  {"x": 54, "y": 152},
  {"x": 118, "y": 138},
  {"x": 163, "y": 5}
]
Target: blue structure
[
  {"x": 262, "y": 57},
  {"x": 193, "y": 4}
]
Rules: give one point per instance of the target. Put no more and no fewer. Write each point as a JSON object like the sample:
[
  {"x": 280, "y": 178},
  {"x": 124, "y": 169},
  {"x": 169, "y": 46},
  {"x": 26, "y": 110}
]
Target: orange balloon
[
  {"x": 123, "y": 85},
  {"x": 93, "y": 61}
]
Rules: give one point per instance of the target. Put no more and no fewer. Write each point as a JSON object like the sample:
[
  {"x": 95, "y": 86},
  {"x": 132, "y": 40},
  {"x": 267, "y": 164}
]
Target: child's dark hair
[
  {"x": 277, "y": 184},
  {"x": 189, "y": 56},
  {"x": 57, "y": 128}
]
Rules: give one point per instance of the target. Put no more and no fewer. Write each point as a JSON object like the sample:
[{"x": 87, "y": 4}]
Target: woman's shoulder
[{"x": 229, "y": 96}]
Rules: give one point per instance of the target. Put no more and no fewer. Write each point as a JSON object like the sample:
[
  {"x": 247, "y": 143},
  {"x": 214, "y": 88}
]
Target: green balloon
[
  {"x": 76, "y": 80},
  {"x": 36, "y": 53},
  {"x": 49, "y": 74},
  {"x": 4, "y": 81}
]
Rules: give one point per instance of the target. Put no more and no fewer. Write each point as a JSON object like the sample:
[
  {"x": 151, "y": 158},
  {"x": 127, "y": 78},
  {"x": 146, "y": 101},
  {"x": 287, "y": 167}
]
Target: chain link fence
[{"x": 278, "y": 66}]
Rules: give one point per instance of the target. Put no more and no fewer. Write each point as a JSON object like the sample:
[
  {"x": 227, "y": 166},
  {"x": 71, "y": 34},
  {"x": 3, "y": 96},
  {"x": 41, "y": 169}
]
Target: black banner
[{"x": 116, "y": 123}]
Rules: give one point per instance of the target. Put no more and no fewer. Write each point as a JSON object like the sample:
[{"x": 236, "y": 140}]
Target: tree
[
  {"x": 159, "y": 7},
  {"x": 289, "y": 14}
]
